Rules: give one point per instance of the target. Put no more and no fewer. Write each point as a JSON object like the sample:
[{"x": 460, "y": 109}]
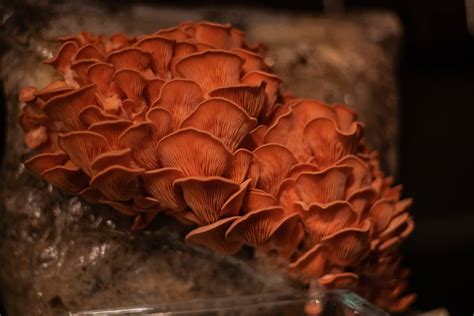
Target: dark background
[{"x": 436, "y": 81}]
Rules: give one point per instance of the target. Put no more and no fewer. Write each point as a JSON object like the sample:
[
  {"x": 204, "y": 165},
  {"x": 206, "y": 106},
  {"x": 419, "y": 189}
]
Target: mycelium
[{"x": 190, "y": 122}]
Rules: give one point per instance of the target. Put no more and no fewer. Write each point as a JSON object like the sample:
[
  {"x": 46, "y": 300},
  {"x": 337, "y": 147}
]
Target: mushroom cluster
[{"x": 191, "y": 123}]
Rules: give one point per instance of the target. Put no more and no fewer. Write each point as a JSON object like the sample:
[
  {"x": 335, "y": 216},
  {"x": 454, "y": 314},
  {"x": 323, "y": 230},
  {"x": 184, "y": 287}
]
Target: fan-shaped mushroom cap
[
  {"x": 288, "y": 235},
  {"x": 152, "y": 90},
  {"x": 255, "y": 138},
  {"x": 288, "y": 129},
  {"x": 251, "y": 98},
  {"x": 272, "y": 163},
  {"x": 211, "y": 69},
  {"x": 324, "y": 220},
  {"x": 121, "y": 157},
  {"x": 360, "y": 176},
  {"x": 162, "y": 122},
  {"x": 83, "y": 147},
  {"x": 174, "y": 33},
  {"x": 159, "y": 183},
  {"x": 403, "y": 205},
  {"x": 131, "y": 83},
  {"x": 256, "y": 227},
  {"x": 207, "y": 197},
  {"x": 253, "y": 61},
  {"x": 361, "y": 201},
  {"x": 382, "y": 212},
  {"x": 66, "y": 107},
  {"x": 111, "y": 130},
  {"x": 312, "y": 263},
  {"x": 183, "y": 48},
  {"x": 52, "y": 90},
  {"x": 213, "y": 236},
  {"x": 195, "y": 152},
  {"x": 272, "y": 86},
  {"x": 215, "y": 34},
  {"x": 256, "y": 200},
  {"x": 93, "y": 114},
  {"x": 130, "y": 58},
  {"x": 118, "y": 183},
  {"x": 79, "y": 68},
  {"x": 180, "y": 97},
  {"x": 141, "y": 139},
  {"x": 68, "y": 178},
  {"x": 348, "y": 246},
  {"x": 237, "y": 171},
  {"x": 346, "y": 280},
  {"x": 322, "y": 187},
  {"x": 63, "y": 58},
  {"x": 345, "y": 117},
  {"x": 41, "y": 162},
  {"x": 161, "y": 50},
  {"x": 88, "y": 51},
  {"x": 327, "y": 143},
  {"x": 287, "y": 196},
  {"x": 100, "y": 73},
  {"x": 223, "y": 119}
]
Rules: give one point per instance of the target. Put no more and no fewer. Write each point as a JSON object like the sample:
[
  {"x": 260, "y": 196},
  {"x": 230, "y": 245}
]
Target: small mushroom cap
[
  {"x": 88, "y": 51},
  {"x": 180, "y": 97},
  {"x": 63, "y": 58},
  {"x": 117, "y": 183},
  {"x": 256, "y": 200},
  {"x": 214, "y": 34},
  {"x": 211, "y": 69},
  {"x": 41, "y": 162},
  {"x": 251, "y": 98},
  {"x": 111, "y": 130},
  {"x": 195, "y": 152},
  {"x": 238, "y": 170},
  {"x": 327, "y": 143},
  {"x": 159, "y": 183},
  {"x": 121, "y": 157},
  {"x": 131, "y": 82},
  {"x": 312, "y": 263},
  {"x": 66, "y": 107},
  {"x": 349, "y": 246},
  {"x": 346, "y": 280},
  {"x": 223, "y": 119},
  {"x": 381, "y": 212},
  {"x": 130, "y": 58},
  {"x": 361, "y": 201},
  {"x": 325, "y": 220},
  {"x": 272, "y": 86},
  {"x": 207, "y": 197},
  {"x": 83, "y": 147},
  {"x": 70, "y": 179},
  {"x": 100, "y": 73},
  {"x": 255, "y": 228},
  {"x": 323, "y": 187},
  {"x": 161, "y": 49},
  {"x": 253, "y": 61},
  {"x": 213, "y": 236},
  {"x": 270, "y": 166}
]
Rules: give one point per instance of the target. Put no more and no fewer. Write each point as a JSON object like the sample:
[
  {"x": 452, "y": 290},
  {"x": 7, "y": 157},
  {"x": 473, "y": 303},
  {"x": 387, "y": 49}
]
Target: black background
[{"x": 436, "y": 81}]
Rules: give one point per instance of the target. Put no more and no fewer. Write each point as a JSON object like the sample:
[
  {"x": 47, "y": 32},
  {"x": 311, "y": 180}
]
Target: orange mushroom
[{"x": 189, "y": 122}]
